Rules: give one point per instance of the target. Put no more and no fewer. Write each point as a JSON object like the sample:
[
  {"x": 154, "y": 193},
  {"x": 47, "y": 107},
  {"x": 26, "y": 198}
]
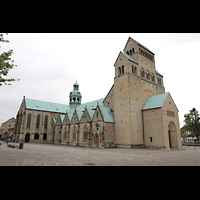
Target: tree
[
  {"x": 5, "y": 64},
  {"x": 192, "y": 121},
  {"x": 184, "y": 135}
]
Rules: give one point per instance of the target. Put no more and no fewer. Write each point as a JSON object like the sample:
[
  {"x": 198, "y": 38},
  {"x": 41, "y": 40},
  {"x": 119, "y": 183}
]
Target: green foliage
[
  {"x": 184, "y": 135},
  {"x": 192, "y": 121},
  {"x": 5, "y": 64}
]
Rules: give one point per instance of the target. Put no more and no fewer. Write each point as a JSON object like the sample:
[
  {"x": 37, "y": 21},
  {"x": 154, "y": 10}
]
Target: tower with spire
[{"x": 75, "y": 96}]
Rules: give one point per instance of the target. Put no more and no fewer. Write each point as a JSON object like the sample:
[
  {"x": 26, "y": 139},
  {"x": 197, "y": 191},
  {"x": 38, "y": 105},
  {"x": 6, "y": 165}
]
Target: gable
[
  {"x": 169, "y": 104},
  {"x": 156, "y": 101},
  {"x": 110, "y": 93},
  {"x": 128, "y": 42},
  {"x": 125, "y": 56},
  {"x": 85, "y": 117},
  {"x": 74, "y": 118},
  {"x": 135, "y": 41},
  {"x": 22, "y": 107},
  {"x": 103, "y": 114},
  {"x": 97, "y": 115},
  {"x": 66, "y": 119},
  {"x": 58, "y": 121}
]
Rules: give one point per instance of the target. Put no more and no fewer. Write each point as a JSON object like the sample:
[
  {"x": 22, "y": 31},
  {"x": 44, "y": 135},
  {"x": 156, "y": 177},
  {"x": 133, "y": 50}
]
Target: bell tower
[{"x": 75, "y": 96}]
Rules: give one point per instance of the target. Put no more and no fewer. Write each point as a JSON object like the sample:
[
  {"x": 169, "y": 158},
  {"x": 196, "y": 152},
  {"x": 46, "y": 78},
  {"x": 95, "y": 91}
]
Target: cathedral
[{"x": 136, "y": 112}]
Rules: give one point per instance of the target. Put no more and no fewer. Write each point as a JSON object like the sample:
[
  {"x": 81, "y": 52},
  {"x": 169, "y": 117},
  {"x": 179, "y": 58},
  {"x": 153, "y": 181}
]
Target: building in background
[{"x": 5, "y": 126}]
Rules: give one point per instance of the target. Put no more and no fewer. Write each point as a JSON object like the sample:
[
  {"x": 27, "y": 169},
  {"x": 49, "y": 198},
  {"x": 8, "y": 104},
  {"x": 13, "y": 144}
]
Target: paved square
[{"x": 62, "y": 155}]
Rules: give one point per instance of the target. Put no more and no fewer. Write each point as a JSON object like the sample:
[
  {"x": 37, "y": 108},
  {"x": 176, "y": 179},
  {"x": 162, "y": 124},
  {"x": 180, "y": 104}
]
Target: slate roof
[{"x": 155, "y": 101}]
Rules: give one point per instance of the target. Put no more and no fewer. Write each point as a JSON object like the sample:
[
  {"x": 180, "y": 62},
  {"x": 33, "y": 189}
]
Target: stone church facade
[{"x": 135, "y": 113}]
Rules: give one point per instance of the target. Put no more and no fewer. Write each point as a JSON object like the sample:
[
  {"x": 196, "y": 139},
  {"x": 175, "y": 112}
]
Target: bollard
[{"x": 20, "y": 145}]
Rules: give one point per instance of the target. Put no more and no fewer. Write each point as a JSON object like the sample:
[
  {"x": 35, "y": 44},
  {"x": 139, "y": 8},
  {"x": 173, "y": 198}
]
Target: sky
[{"x": 48, "y": 65}]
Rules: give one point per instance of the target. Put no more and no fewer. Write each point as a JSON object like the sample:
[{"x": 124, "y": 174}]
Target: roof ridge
[
  {"x": 92, "y": 101},
  {"x": 141, "y": 45},
  {"x": 45, "y": 101}
]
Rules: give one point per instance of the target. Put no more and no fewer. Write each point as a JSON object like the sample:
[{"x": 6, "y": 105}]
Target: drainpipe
[{"x": 143, "y": 128}]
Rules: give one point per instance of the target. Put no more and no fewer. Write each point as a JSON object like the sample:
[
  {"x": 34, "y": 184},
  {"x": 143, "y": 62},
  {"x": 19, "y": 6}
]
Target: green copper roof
[
  {"x": 61, "y": 108},
  {"x": 130, "y": 58},
  {"x": 70, "y": 115},
  {"x": 62, "y": 117},
  {"x": 107, "y": 114},
  {"x": 155, "y": 101},
  {"x": 46, "y": 106},
  {"x": 142, "y": 45},
  {"x": 91, "y": 113},
  {"x": 79, "y": 114},
  {"x": 54, "y": 119},
  {"x": 158, "y": 73},
  {"x": 90, "y": 105}
]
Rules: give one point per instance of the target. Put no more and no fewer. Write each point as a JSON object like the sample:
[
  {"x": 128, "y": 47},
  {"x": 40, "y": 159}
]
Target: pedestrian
[{"x": 7, "y": 142}]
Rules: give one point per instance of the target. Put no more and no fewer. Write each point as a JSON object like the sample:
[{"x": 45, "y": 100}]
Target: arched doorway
[
  {"x": 172, "y": 134},
  {"x": 27, "y": 137}
]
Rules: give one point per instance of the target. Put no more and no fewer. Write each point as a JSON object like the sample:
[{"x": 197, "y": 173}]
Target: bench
[{"x": 13, "y": 146}]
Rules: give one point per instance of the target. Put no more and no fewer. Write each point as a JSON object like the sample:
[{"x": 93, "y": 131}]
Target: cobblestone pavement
[{"x": 62, "y": 155}]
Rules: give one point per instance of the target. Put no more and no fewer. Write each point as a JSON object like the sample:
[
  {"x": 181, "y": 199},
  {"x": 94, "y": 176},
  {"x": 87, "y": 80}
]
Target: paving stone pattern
[{"x": 60, "y": 155}]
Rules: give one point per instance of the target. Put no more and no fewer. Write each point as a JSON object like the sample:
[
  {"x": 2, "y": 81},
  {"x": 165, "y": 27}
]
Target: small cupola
[
  {"x": 75, "y": 96},
  {"x": 76, "y": 86}
]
